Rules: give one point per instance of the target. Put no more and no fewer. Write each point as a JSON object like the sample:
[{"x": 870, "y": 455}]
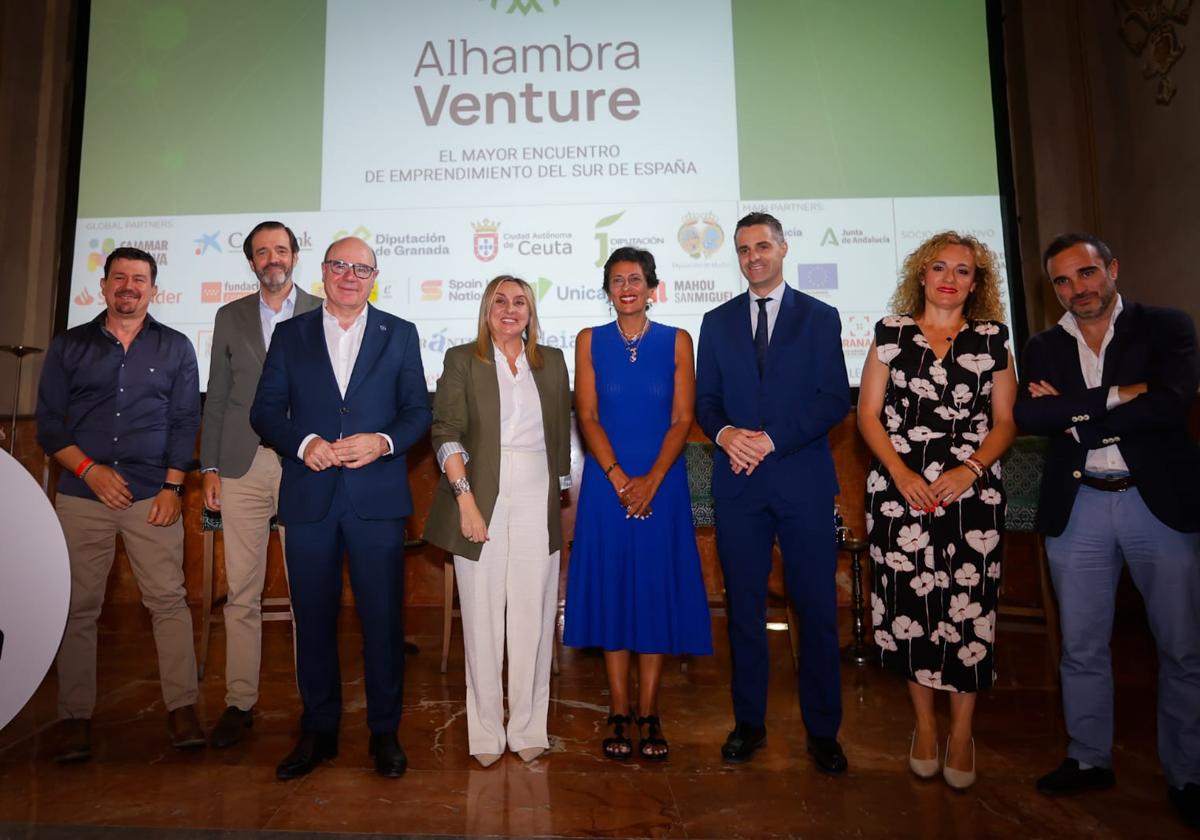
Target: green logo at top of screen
[{"x": 522, "y": 6}]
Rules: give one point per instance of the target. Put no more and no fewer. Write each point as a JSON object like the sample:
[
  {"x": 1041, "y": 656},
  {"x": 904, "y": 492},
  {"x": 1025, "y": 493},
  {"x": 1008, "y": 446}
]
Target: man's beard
[{"x": 274, "y": 279}]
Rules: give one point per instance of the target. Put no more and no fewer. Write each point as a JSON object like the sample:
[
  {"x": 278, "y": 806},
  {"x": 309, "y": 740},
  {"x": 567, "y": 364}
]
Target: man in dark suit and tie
[
  {"x": 770, "y": 384},
  {"x": 341, "y": 397},
  {"x": 1111, "y": 386},
  {"x": 240, "y": 475}
]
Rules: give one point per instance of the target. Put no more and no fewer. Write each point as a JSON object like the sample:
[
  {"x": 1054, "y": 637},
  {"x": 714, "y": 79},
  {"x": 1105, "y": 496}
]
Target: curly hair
[{"x": 983, "y": 304}]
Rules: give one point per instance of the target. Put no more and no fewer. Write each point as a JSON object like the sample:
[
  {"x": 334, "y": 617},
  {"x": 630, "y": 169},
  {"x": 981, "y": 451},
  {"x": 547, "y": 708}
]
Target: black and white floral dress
[{"x": 936, "y": 575}]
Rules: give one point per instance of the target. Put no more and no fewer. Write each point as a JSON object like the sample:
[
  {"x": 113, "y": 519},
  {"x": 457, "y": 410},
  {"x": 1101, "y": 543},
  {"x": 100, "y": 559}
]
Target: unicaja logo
[
  {"x": 522, "y": 6},
  {"x": 487, "y": 240}
]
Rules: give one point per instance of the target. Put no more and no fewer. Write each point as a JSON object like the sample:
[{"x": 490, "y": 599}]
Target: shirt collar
[
  {"x": 1068, "y": 322},
  {"x": 522, "y": 361},
  {"x": 102, "y": 319},
  {"x": 774, "y": 296},
  {"x": 330, "y": 318},
  {"x": 289, "y": 302}
]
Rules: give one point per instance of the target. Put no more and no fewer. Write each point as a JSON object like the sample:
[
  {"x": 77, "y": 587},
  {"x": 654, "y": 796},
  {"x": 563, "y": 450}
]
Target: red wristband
[{"x": 83, "y": 465}]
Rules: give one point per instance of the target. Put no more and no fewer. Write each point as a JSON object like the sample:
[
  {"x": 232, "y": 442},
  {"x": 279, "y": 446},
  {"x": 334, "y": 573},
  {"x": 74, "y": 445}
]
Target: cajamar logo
[{"x": 522, "y": 6}]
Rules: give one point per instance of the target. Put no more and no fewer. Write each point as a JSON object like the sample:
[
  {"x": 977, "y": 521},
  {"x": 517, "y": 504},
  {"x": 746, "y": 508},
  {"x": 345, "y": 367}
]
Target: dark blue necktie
[{"x": 760, "y": 334}]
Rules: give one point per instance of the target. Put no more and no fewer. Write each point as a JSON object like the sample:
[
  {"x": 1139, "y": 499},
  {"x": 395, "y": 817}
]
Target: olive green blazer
[{"x": 466, "y": 410}]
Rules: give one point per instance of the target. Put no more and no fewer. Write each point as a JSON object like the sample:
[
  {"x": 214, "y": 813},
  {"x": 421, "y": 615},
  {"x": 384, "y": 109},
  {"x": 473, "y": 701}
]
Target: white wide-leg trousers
[{"x": 510, "y": 595}]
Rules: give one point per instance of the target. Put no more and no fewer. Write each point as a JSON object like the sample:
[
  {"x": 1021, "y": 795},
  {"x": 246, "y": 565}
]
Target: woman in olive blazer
[{"x": 502, "y": 434}]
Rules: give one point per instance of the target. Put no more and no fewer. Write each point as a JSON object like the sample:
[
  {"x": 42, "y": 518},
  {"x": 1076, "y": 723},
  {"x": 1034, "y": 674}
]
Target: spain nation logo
[{"x": 487, "y": 240}]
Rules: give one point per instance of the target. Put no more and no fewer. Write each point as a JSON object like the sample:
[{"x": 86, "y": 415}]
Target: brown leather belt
[{"x": 1109, "y": 485}]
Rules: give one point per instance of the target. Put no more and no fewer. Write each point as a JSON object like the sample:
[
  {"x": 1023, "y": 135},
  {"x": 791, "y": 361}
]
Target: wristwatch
[{"x": 177, "y": 489}]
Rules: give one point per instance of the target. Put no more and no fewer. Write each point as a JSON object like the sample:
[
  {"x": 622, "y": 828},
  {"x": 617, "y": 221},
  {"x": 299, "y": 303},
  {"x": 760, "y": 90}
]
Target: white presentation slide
[{"x": 470, "y": 138}]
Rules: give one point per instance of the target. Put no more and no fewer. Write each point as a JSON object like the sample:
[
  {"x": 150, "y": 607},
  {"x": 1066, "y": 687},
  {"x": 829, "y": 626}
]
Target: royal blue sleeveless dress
[{"x": 635, "y": 584}]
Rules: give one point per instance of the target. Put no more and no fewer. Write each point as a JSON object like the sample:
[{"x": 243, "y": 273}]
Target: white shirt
[
  {"x": 521, "y": 426},
  {"x": 774, "y": 297},
  {"x": 343, "y": 346},
  {"x": 1107, "y": 459},
  {"x": 270, "y": 318}
]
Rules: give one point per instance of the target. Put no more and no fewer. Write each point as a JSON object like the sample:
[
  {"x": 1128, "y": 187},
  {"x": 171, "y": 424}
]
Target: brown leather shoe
[
  {"x": 73, "y": 740},
  {"x": 184, "y": 728}
]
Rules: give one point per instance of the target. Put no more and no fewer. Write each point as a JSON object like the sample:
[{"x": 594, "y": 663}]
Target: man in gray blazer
[{"x": 241, "y": 476}]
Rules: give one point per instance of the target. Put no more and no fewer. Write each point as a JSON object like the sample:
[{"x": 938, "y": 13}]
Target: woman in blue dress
[{"x": 634, "y": 583}]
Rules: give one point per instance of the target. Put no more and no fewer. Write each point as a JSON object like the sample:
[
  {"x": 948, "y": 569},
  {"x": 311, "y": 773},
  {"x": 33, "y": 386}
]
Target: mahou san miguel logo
[{"x": 487, "y": 240}]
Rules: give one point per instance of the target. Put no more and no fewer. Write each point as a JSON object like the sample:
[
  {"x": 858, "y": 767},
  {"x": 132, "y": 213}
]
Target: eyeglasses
[{"x": 361, "y": 270}]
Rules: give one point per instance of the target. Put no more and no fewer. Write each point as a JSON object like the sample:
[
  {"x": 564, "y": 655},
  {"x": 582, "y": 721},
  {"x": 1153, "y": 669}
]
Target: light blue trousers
[{"x": 1107, "y": 530}]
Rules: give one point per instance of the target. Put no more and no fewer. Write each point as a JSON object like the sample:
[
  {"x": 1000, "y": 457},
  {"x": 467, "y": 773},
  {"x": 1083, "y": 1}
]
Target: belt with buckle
[{"x": 1109, "y": 485}]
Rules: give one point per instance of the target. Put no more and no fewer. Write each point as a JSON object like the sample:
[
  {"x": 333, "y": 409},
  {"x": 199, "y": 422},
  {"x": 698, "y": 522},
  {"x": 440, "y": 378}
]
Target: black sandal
[
  {"x": 653, "y": 740},
  {"x": 618, "y": 747}
]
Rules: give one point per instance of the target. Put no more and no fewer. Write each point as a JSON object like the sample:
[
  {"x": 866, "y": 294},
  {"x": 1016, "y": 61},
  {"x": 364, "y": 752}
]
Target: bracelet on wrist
[
  {"x": 460, "y": 487},
  {"x": 86, "y": 470},
  {"x": 83, "y": 466},
  {"x": 611, "y": 467},
  {"x": 974, "y": 466}
]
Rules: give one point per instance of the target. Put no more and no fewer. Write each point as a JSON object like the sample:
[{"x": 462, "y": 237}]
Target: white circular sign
[{"x": 35, "y": 586}]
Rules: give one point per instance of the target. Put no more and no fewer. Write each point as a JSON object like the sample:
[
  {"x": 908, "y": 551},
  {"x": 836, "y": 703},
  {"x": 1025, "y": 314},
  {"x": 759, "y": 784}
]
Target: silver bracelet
[{"x": 461, "y": 486}]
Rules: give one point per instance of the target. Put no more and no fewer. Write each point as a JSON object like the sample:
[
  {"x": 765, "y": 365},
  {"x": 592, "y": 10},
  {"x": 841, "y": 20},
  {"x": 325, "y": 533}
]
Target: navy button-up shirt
[{"x": 137, "y": 411}]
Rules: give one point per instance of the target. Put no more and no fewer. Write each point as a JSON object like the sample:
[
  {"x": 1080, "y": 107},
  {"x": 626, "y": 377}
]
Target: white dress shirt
[
  {"x": 1107, "y": 459},
  {"x": 774, "y": 297},
  {"x": 521, "y": 426},
  {"x": 343, "y": 346},
  {"x": 270, "y": 318}
]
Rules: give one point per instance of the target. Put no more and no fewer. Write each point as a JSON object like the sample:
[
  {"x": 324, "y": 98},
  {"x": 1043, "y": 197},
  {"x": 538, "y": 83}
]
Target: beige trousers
[
  {"x": 247, "y": 505},
  {"x": 510, "y": 594},
  {"x": 156, "y": 554}
]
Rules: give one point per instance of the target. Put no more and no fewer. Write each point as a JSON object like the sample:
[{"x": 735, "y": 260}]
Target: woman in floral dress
[{"x": 935, "y": 408}]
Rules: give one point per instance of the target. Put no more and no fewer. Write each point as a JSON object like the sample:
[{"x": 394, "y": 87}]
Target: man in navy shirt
[{"x": 119, "y": 408}]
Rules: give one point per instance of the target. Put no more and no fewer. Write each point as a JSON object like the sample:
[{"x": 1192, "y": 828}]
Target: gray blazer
[
  {"x": 226, "y": 440},
  {"x": 466, "y": 410}
]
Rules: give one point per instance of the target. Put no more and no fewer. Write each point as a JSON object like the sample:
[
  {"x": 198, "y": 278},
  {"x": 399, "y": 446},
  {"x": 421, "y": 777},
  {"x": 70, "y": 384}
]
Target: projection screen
[{"x": 468, "y": 138}]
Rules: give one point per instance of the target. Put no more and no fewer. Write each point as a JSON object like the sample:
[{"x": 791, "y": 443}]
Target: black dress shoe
[
  {"x": 229, "y": 729},
  {"x": 74, "y": 740},
  {"x": 390, "y": 760},
  {"x": 827, "y": 754},
  {"x": 1186, "y": 800},
  {"x": 311, "y": 750},
  {"x": 742, "y": 742},
  {"x": 1070, "y": 778}
]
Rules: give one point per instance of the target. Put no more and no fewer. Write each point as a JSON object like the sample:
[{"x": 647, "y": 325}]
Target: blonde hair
[
  {"x": 484, "y": 340},
  {"x": 983, "y": 304}
]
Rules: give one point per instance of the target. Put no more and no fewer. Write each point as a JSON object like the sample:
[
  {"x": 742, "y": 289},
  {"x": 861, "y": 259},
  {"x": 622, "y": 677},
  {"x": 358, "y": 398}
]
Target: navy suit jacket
[
  {"x": 1150, "y": 344},
  {"x": 803, "y": 393},
  {"x": 298, "y": 395}
]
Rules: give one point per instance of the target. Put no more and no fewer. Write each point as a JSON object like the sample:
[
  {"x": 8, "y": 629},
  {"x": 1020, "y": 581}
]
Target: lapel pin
[{"x": 383, "y": 327}]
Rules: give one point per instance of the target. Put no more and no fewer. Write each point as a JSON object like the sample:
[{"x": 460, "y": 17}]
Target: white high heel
[
  {"x": 923, "y": 768},
  {"x": 959, "y": 779}
]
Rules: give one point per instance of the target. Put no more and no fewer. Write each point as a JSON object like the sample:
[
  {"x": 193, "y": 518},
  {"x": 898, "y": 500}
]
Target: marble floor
[{"x": 136, "y": 786}]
